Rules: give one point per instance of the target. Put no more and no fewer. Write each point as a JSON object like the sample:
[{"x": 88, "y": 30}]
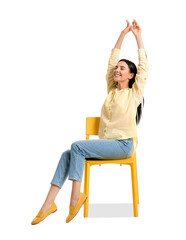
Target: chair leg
[
  {"x": 134, "y": 188},
  {"x": 86, "y": 187},
  {"x": 137, "y": 183}
]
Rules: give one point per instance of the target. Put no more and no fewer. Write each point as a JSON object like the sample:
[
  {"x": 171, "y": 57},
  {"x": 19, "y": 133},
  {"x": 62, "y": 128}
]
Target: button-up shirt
[{"x": 118, "y": 113}]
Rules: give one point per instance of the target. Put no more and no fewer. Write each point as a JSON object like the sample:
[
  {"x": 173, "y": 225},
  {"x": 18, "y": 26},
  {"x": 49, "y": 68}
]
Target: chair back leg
[
  {"x": 137, "y": 183},
  {"x": 134, "y": 187}
]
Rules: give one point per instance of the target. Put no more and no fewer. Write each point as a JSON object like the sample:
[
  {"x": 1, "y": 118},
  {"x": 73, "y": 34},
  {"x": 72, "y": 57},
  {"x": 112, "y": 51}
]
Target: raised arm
[
  {"x": 114, "y": 57},
  {"x": 143, "y": 66}
]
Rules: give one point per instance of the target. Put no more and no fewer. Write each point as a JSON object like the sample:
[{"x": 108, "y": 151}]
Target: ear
[{"x": 131, "y": 75}]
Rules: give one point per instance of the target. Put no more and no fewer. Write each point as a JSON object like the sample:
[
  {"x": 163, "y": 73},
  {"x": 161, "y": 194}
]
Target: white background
[{"x": 53, "y": 62}]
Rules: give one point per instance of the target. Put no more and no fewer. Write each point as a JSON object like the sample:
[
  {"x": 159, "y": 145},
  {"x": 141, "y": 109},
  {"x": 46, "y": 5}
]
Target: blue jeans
[{"x": 72, "y": 161}]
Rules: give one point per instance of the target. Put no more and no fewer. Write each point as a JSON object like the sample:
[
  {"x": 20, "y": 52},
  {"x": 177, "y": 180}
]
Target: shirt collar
[{"x": 124, "y": 89}]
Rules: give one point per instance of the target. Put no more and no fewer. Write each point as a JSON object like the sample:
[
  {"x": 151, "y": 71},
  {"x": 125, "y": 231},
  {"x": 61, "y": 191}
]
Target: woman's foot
[
  {"x": 74, "y": 209},
  {"x": 43, "y": 214}
]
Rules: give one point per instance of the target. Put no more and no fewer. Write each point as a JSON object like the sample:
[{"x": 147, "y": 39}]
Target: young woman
[{"x": 120, "y": 114}]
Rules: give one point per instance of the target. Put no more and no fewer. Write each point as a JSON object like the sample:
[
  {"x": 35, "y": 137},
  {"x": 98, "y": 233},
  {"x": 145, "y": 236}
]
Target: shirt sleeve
[
  {"x": 141, "y": 76},
  {"x": 113, "y": 60}
]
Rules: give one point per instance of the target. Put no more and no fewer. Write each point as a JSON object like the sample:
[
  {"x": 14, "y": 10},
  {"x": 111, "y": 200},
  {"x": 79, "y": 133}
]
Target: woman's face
[{"x": 122, "y": 72}]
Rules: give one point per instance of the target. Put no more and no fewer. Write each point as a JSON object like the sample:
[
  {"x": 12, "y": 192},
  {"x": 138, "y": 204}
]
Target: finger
[
  {"x": 128, "y": 23},
  {"x": 136, "y": 22}
]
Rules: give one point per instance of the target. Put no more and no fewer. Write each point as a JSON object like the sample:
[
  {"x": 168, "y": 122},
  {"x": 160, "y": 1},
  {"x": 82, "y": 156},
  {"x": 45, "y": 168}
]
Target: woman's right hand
[{"x": 127, "y": 29}]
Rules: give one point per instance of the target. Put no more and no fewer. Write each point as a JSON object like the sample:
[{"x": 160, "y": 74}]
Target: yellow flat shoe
[
  {"x": 73, "y": 211},
  {"x": 40, "y": 216}
]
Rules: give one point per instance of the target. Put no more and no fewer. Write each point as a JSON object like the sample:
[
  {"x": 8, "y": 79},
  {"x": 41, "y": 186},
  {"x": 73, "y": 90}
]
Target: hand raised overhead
[
  {"x": 135, "y": 28},
  {"x": 128, "y": 28}
]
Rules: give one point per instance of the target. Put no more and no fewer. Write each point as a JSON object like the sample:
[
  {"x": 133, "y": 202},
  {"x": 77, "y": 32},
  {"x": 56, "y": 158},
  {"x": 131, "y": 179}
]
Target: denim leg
[
  {"x": 62, "y": 169},
  {"x": 98, "y": 148},
  {"x": 127, "y": 145}
]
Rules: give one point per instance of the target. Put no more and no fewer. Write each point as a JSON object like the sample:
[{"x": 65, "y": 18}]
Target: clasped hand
[{"x": 135, "y": 28}]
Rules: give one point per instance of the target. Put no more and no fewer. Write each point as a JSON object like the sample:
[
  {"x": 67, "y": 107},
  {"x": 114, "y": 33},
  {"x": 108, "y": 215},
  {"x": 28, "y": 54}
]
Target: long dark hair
[{"x": 133, "y": 69}]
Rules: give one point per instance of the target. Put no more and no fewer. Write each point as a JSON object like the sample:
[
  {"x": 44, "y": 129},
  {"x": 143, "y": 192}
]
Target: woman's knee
[
  {"x": 65, "y": 155},
  {"x": 74, "y": 145},
  {"x": 77, "y": 147}
]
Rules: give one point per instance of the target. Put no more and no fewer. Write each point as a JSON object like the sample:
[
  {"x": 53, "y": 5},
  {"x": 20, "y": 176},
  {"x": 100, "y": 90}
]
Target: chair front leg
[{"x": 86, "y": 187}]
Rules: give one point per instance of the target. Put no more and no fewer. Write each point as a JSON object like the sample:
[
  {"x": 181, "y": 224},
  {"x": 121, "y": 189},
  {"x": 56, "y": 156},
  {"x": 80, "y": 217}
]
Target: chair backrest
[{"x": 92, "y": 126}]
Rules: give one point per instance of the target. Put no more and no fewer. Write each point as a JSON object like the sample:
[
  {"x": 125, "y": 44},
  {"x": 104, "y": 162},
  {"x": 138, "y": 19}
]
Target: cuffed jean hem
[
  {"x": 75, "y": 178},
  {"x": 57, "y": 184}
]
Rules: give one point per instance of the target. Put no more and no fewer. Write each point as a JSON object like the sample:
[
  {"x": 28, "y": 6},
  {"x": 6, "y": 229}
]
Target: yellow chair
[{"x": 92, "y": 128}]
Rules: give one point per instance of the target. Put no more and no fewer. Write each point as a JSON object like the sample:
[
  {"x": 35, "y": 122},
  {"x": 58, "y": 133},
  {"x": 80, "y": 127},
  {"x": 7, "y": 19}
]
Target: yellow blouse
[{"x": 118, "y": 113}]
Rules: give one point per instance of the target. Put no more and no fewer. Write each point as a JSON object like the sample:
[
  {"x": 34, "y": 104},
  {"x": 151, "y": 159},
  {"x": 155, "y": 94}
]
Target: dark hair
[{"x": 133, "y": 69}]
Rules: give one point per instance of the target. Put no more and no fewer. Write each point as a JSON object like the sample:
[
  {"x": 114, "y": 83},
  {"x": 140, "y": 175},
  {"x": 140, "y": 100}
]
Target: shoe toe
[
  {"x": 71, "y": 214},
  {"x": 67, "y": 219},
  {"x": 36, "y": 220}
]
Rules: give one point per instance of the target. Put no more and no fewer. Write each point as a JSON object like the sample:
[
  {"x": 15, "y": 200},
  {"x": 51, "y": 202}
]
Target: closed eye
[{"x": 121, "y": 67}]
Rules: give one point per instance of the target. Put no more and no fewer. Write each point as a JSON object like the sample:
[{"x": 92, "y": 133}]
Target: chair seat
[{"x": 94, "y": 161}]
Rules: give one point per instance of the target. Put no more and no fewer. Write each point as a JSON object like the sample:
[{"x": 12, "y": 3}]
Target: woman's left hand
[{"x": 135, "y": 28}]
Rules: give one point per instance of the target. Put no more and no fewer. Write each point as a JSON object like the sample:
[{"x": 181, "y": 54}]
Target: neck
[{"x": 123, "y": 85}]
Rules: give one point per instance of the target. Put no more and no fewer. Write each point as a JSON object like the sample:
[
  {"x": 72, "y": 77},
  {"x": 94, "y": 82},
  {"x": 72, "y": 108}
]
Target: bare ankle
[
  {"x": 73, "y": 202},
  {"x": 47, "y": 205}
]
